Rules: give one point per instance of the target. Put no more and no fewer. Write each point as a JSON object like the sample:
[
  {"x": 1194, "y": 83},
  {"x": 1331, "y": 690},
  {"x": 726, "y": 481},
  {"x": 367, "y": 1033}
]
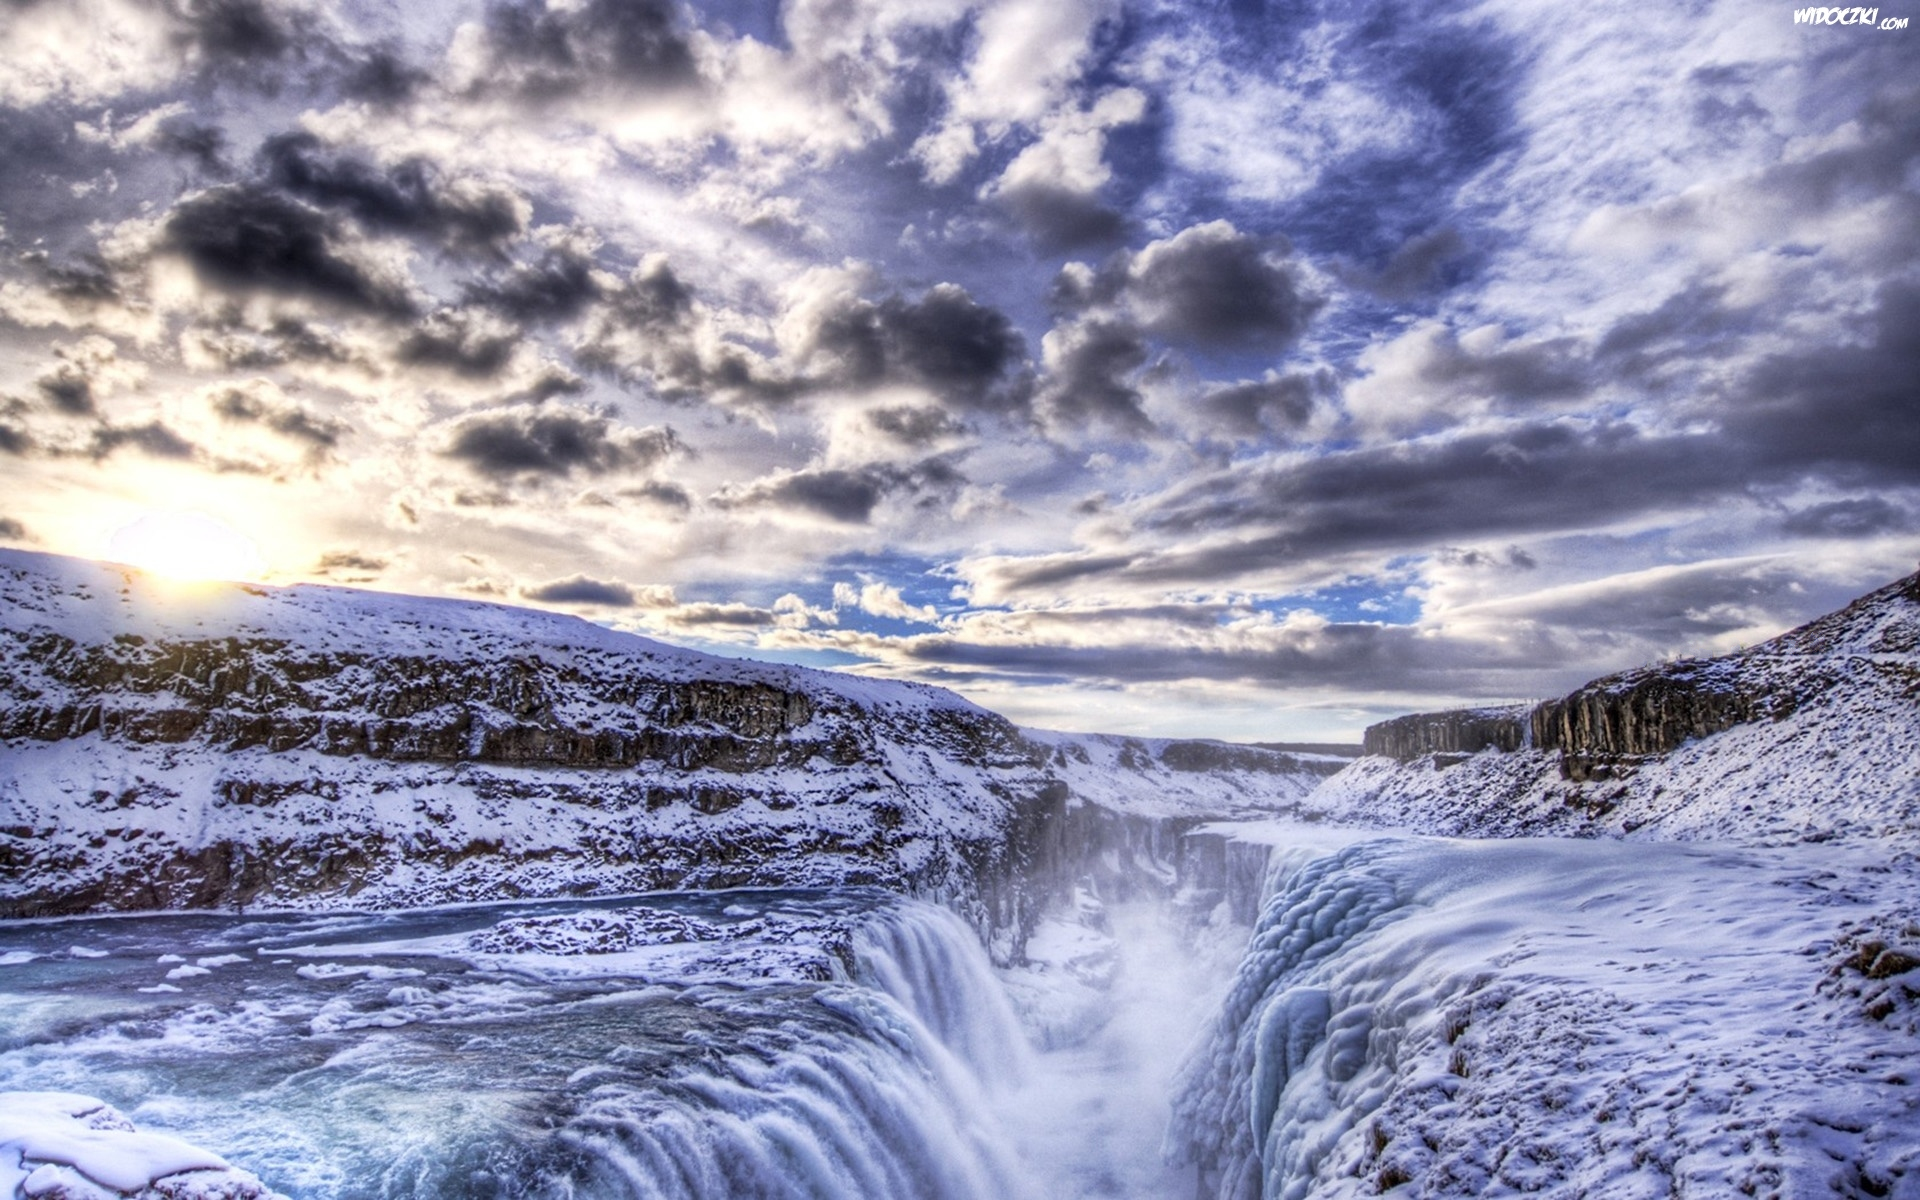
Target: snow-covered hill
[
  {"x": 1813, "y": 736},
  {"x": 173, "y": 745}
]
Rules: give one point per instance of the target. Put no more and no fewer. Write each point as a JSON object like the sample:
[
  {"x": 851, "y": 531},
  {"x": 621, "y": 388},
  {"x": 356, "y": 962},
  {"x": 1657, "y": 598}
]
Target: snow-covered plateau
[{"x": 319, "y": 893}]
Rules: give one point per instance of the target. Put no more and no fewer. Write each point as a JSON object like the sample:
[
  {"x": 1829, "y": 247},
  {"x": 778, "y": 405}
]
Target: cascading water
[{"x": 773, "y": 1045}]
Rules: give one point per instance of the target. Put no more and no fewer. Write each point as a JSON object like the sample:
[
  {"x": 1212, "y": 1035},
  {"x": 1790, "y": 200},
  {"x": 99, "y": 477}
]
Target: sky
[{"x": 1239, "y": 369}]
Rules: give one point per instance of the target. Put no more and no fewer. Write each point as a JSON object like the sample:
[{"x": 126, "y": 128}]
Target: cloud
[
  {"x": 472, "y": 344},
  {"x": 1052, "y": 188},
  {"x": 842, "y": 496},
  {"x": 880, "y": 599},
  {"x": 84, "y": 372},
  {"x": 13, "y": 531},
  {"x": 1416, "y": 266},
  {"x": 250, "y": 238},
  {"x": 1845, "y": 409},
  {"x": 260, "y": 402},
  {"x": 1862, "y": 517},
  {"x": 581, "y": 590},
  {"x": 351, "y": 560},
  {"x": 1089, "y": 375},
  {"x": 543, "y": 53},
  {"x": 412, "y": 196},
  {"x": 946, "y": 341},
  {"x": 556, "y": 441},
  {"x": 1027, "y": 55},
  {"x": 151, "y": 438},
  {"x": 1212, "y": 285},
  {"x": 1432, "y": 376},
  {"x": 1273, "y": 406},
  {"x": 563, "y": 282}
]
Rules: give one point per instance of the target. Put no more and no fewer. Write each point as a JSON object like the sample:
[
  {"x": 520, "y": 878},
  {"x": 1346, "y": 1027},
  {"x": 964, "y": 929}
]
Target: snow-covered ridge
[
  {"x": 188, "y": 746},
  {"x": 1812, "y": 736}
]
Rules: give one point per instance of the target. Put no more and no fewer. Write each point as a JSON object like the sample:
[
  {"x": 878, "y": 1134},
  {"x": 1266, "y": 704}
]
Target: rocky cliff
[
  {"x": 1738, "y": 746},
  {"x": 1453, "y": 734},
  {"x": 221, "y": 745}
]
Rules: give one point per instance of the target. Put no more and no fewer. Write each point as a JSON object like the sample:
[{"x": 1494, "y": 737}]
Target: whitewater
[{"x": 1415, "y": 1015}]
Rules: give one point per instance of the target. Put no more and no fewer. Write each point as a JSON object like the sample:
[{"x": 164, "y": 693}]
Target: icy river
[{"x": 1464, "y": 1018}]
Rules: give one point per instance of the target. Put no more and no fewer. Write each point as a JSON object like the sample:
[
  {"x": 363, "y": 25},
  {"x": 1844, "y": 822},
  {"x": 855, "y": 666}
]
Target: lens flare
[{"x": 186, "y": 546}]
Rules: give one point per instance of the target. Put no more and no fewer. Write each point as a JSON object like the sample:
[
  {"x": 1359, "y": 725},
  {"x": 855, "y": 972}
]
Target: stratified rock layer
[{"x": 234, "y": 746}]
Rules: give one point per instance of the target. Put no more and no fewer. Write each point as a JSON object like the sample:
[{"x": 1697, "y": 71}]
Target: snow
[
  {"x": 61, "y": 1143},
  {"x": 94, "y": 602},
  {"x": 1135, "y": 777},
  {"x": 1566, "y": 1018},
  {"x": 1838, "y": 759}
]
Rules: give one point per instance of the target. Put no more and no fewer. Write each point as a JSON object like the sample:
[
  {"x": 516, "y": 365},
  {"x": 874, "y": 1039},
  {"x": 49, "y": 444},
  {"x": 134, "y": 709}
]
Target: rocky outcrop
[
  {"x": 232, "y": 747},
  {"x": 1455, "y": 733},
  {"x": 1612, "y": 725},
  {"x": 1813, "y": 735}
]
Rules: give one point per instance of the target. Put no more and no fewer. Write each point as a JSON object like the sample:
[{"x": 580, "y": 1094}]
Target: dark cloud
[
  {"x": 914, "y": 426},
  {"x": 1083, "y": 647},
  {"x": 383, "y": 77},
  {"x": 350, "y": 561},
  {"x": 1417, "y": 266},
  {"x": 945, "y": 340},
  {"x": 14, "y": 440},
  {"x": 1212, "y": 285},
  {"x": 1513, "y": 374},
  {"x": 1861, "y": 517},
  {"x": 560, "y": 285},
  {"x": 12, "y": 530},
  {"x": 238, "y": 32},
  {"x": 1276, "y": 405},
  {"x": 581, "y": 590},
  {"x": 1512, "y": 556},
  {"x": 205, "y": 146},
  {"x": 848, "y": 497},
  {"x": 553, "y": 53},
  {"x": 68, "y": 388},
  {"x": 285, "y": 340},
  {"x": 245, "y": 406},
  {"x": 1089, "y": 380},
  {"x": 459, "y": 342},
  {"x": 1060, "y": 219},
  {"x": 152, "y": 439},
  {"x": 725, "y": 616},
  {"x": 413, "y": 196},
  {"x": 1267, "y": 518},
  {"x": 666, "y": 495},
  {"x": 247, "y": 237},
  {"x": 653, "y": 297},
  {"x": 1694, "y": 325},
  {"x": 1851, "y": 411},
  {"x": 556, "y": 442}
]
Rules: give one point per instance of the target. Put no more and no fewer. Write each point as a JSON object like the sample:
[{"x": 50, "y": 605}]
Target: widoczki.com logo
[{"x": 1868, "y": 17}]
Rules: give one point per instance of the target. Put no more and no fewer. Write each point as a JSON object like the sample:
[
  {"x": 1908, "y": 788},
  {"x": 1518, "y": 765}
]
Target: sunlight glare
[{"x": 186, "y": 546}]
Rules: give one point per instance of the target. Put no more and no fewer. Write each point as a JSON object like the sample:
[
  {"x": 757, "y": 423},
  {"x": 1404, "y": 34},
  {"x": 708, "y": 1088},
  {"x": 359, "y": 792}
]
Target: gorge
[{"x": 376, "y": 896}]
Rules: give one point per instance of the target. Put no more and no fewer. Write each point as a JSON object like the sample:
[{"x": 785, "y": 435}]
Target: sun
[{"x": 185, "y": 546}]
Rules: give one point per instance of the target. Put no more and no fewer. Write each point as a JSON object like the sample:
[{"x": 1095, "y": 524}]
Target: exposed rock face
[
  {"x": 1724, "y": 747},
  {"x": 1457, "y": 732},
  {"x": 238, "y": 746}
]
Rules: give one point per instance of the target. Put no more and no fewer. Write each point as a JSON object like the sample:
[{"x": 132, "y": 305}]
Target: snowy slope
[
  {"x": 225, "y": 744},
  {"x": 169, "y": 745},
  {"x": 1812, "y": 736},
  {"x": 1569, "y": 1019},
  {"x": 1161, "y": 778}
]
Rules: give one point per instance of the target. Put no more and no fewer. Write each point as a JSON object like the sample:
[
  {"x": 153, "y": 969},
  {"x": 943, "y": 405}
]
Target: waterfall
[
  {"x": 852, "y": 1101},
  {"x": 927, "y": 959}
]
